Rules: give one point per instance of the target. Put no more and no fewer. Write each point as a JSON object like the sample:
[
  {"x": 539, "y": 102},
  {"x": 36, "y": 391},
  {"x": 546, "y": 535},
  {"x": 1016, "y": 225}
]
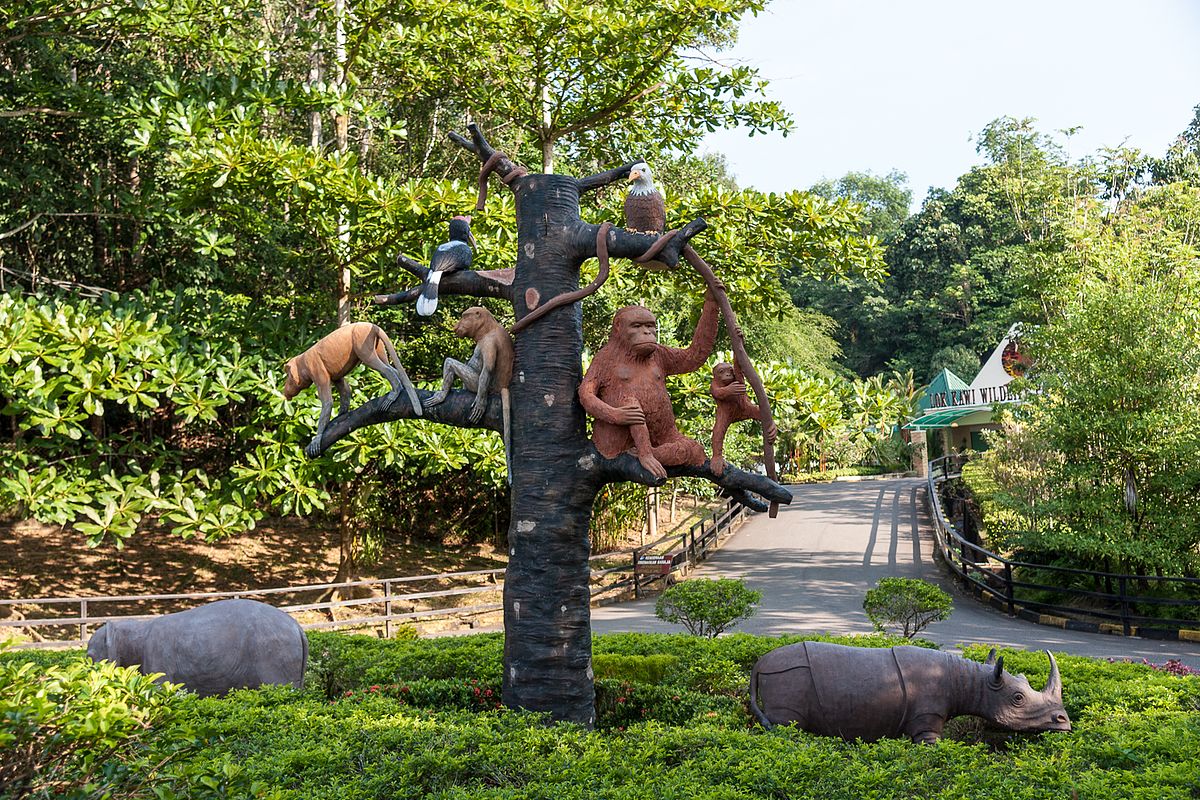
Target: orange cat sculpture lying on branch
[{"x": 329, "y": 361}]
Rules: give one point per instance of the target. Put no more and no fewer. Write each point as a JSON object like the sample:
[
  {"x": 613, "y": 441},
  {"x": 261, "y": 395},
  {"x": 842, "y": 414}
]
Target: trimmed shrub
[
  {"x": 636, "y": 669},
  {"x": 706, "y": 606},
  {"x": 906, "y": 604}
]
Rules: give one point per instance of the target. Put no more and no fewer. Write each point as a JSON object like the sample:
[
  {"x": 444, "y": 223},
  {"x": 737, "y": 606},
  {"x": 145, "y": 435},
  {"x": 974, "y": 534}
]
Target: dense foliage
[
  {"x": 412, "y": 719},
  {"x": 707, "y": 606},
  {"x": 907, "y": 605},
  {"x": 1099, "y": 464},
  {"x": 193, "y": 156}
]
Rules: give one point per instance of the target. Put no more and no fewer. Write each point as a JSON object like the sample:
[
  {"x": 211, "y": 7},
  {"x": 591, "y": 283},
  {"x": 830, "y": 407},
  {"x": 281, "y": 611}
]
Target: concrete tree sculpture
[{"x": 556, "y": 470}]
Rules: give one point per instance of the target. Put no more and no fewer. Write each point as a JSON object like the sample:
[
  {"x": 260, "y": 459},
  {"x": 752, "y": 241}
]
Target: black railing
[{"x": 992, "y": 575}]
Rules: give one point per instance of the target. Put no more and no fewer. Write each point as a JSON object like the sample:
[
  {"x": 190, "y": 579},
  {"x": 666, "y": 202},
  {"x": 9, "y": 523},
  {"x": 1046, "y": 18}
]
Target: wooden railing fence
[
  {"x": 1122, "y": 602},
  {"x": 386, "y": 604}
]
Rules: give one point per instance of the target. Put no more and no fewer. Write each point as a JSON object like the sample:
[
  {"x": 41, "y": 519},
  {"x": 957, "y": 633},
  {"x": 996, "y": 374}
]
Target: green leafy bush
[
  {"x": 74, "y": 729},
  {"x": 833, "y": 474},
  {"x": 706, "y": 606},
  {"x": 906, "y": 604},
  {"x": 634, "y": 668}
]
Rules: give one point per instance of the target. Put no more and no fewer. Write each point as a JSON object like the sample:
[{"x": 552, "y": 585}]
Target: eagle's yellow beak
[{"x": 634, "y": 175}]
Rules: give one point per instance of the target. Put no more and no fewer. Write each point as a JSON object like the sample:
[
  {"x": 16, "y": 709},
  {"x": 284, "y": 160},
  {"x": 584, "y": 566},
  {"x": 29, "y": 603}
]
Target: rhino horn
[
  {"x": 991, "y": 659},
  {"x": 1054, "y": 682}
]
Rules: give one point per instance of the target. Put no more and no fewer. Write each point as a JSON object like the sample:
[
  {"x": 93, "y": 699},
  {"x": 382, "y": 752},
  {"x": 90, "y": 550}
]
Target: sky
[{"x": 877, "y": 85}]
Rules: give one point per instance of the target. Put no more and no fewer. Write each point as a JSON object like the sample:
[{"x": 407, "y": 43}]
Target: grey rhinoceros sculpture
[
  {"x": 229, "y": 644},
  {"x": 871, "y": 693}
]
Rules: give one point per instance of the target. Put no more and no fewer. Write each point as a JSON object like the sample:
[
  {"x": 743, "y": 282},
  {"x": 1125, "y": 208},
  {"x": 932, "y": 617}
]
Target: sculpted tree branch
[
  {"x": 602, "y": 179},
  {"x": 454, "y": 410},
  {"x": 491, "y": 283},
  {"x": 742, "y": 485}
]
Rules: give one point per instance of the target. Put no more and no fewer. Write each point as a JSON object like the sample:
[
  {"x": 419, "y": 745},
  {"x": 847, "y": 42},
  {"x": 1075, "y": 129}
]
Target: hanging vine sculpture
[{"x": 556, "y": 471}]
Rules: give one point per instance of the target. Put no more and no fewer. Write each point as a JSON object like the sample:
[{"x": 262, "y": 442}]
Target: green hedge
[
  {"x": 421, "y": 735},
  {"x": 832, "y": 474}
]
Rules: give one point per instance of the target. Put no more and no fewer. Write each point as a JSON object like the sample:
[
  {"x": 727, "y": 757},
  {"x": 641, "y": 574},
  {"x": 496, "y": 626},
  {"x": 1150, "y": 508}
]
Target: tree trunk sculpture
[{"x": 556, "y": 470}]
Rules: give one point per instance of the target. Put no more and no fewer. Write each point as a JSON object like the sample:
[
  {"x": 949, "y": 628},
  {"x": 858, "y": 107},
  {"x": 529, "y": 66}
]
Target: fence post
[
  {"x": 637, "y": 581},
  {"x": 83, "y": 615},
  {"x": 1124, "y": 606},
  {"x": 1008, "y": 589},
  {"x": 387, "y": 609}
]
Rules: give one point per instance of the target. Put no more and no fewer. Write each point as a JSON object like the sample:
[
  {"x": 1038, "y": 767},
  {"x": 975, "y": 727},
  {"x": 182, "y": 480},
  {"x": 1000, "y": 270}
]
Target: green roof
[
  {"x": 946, "y": 417},
  {"x": 945, "y": 383}
]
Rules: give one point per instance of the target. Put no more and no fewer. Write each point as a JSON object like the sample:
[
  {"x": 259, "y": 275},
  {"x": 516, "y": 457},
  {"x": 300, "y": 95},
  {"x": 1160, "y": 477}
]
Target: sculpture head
[
  {"x": 460, "y": 231},
  {"x": 641, "y": 178},
  {"x": 636, "y": 329},
  {"x": 119, "y": 642},
  {"x": 474, "y": 322},
  {"x": 723, "y": 374},
  {"x": 293, "y": 382},
  {"x": 1013, "y": 703}
]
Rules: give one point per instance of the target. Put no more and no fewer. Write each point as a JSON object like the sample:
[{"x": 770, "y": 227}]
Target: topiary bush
[
  {"x": 707, "y": 606},
  {"x": 906, "y": 604}
]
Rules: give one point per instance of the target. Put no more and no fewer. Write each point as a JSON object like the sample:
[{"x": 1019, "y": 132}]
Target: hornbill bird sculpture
[{"x": 451, "y": 256}]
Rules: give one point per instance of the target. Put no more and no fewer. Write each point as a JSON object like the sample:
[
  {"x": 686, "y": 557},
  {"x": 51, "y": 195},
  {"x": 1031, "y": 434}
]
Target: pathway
[{"x": 814, "y": 563}]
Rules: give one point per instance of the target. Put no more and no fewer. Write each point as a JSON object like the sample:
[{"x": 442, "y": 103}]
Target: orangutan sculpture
[
  {"x": 625, "y": 389},
  {"x": 729, "y": 390}
]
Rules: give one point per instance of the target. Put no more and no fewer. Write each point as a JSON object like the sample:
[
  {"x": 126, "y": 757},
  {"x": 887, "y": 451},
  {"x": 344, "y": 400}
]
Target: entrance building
[{"x": 954, "y": 413}]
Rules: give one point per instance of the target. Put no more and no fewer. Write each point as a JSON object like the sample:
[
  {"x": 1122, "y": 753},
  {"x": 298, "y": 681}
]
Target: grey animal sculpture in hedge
[
  {"x": 873, "y": 693},
  {"x": 212, "y": 649},
  {"x": 327, "y": 363}
]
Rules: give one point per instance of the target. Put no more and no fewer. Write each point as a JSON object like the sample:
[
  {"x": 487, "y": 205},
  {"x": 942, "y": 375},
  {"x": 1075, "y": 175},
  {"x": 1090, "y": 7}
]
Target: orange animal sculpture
[
  {"x": 327, "y": 363},
  {"x": 625, "y": 389}
]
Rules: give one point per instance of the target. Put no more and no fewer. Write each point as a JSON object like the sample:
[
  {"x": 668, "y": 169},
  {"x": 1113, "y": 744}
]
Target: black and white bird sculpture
[
  {"x": 451, "y": 256},
  {"x": 645, "y": 211}
]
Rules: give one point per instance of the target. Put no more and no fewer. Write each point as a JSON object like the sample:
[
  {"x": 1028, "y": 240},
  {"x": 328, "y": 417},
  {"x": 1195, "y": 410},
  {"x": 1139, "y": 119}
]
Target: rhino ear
[
  {"x": 998, "y": 675},
  {"x": 991, "y": 659}
]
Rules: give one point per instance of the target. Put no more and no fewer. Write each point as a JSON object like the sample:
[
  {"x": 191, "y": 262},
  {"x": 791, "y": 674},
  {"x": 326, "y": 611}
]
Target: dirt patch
[{"x": 45, "y": 561}]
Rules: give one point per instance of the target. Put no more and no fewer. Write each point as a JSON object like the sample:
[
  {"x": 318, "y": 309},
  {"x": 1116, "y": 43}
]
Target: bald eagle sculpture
[{"x": 645, "y": 211}]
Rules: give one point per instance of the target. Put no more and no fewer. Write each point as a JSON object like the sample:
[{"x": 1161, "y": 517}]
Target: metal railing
[
  {"x": 992, "y": 575},
  {"x": 387, "y": 605}
]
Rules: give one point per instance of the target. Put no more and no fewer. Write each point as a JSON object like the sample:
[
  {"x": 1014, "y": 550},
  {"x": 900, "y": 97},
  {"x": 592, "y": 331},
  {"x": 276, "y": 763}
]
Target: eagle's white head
[{"x": 641, "y": 178}]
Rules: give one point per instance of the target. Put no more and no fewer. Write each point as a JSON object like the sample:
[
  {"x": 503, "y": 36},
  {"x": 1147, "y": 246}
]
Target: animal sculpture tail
[
  {"x": 754, "y": 707},
  {"x": 427, "y": 303},
  {"x": 409, "y": 389}
]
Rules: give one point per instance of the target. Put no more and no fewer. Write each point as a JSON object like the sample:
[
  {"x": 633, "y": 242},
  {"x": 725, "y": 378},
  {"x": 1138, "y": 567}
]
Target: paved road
[{"x": 814, "y": 563}]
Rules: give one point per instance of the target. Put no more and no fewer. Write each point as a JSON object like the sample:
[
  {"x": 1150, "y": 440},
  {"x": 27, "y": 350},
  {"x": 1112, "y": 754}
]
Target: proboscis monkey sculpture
[
  {"x": 625, "y": 389},
  {"x": 729, "y": 390},
  {"x": 489, "y": 370},
  {"x": 329, "y": 361}
]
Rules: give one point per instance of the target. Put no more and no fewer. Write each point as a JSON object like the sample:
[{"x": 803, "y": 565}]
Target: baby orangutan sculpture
[
  {"x": 327, "y": 363},
  {"x": 625, "y": 389},
  {"x": 729, "y": 390}
]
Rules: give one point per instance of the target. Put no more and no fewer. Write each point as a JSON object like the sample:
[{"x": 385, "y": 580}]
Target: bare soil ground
[{"x": 44, "y": 561}]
